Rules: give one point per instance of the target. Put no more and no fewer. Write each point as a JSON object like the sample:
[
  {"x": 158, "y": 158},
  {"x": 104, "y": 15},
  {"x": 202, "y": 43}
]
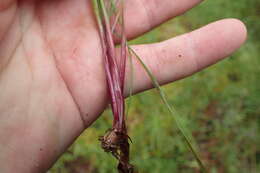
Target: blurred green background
[{"x": 220, "y": 106}]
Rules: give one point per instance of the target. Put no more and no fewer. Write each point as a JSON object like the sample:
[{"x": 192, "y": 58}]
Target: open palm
[{"x": 52, "y": 81}]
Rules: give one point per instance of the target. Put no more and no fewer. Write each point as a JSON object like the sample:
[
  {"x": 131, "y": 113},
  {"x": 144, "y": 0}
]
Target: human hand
[{"x": 52, "y": 80}]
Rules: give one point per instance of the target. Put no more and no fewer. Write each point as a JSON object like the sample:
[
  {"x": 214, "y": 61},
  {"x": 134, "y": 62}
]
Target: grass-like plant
[{"x": 110, "y": 20}]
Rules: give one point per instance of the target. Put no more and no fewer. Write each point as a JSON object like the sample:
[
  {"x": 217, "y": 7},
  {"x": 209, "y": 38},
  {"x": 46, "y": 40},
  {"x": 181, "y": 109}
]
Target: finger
[
  {"x": 143, "y": 15},
  {"x": 7, "y": 11},
  {"x": 184, "y": 55}
]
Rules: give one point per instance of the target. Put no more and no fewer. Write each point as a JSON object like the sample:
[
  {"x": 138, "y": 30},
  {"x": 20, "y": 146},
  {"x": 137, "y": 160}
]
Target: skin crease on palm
[{"x": 52, "y": 80}]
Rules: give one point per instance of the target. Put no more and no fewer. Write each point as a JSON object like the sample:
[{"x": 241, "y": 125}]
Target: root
[{"x": 117, "y": 144}]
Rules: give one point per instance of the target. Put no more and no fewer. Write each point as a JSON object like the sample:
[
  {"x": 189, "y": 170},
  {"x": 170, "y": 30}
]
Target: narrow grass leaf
[{"x": 172, "y": 111}]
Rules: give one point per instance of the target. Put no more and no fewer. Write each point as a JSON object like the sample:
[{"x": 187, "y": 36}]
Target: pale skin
[{"x": 52, "y": 80}]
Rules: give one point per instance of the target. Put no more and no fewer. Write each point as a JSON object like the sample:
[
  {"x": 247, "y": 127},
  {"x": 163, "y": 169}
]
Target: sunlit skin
[{"x": 52, "y": 80}]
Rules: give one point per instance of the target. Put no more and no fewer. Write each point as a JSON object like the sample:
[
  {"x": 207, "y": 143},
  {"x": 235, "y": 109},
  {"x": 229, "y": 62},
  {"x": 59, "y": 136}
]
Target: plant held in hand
[
  {"x": 116, "y": 139},
  {"x": 110, "y": 19}
]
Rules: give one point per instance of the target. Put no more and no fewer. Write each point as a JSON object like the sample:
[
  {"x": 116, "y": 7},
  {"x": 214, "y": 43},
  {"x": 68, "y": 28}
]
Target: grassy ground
[{"x": 219, "y": 105}]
